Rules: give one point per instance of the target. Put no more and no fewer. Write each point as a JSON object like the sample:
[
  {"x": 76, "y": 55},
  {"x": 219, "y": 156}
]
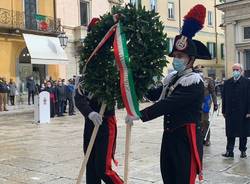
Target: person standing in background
[
  {"x": 3, "y": 94},
  {"x": 31, "y": 86},
  {"x": 236, "y": 111},
  {"x": 52, "y": 94},
  {"x": 42, "y": 88},
  {"x": 13, "y": 91},
  {"x": 54, "y": 87},
  {"x": 69, "y": 94},
  {"x": 61, "y": 97},
  {"x": 209, "y": 97},
  {"x": 65, "y": 101}
]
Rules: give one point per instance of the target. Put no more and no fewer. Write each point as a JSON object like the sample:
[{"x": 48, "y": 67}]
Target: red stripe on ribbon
[
  {"x": 103, "y": 41},
  {"x": 122, "y": 85}
]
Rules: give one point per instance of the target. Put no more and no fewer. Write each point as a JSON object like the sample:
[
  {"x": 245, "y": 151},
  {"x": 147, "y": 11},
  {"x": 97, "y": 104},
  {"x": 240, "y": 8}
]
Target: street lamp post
[{"x": 63, "y": 39}]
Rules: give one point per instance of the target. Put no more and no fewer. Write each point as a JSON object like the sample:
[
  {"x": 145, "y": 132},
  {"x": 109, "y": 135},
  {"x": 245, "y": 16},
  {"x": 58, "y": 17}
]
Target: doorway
[
  {"x": 26, "y": 69},
  {"x": 39, "y": 73}
]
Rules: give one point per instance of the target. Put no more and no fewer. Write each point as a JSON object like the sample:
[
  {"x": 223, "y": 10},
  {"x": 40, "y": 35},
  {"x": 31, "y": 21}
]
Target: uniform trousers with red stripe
[
  {"x": 99, "y": 166},
  {"x": 180, "y": 158}
]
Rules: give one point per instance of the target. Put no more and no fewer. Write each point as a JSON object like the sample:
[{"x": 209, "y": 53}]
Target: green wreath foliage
[{"x": 147, "y": 46}]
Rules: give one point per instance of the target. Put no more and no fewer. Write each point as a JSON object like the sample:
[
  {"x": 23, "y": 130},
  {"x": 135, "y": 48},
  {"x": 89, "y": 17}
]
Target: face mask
[
  {"x": 236, "y": 74},
  {"x": 49, "y": 86},
  {"x": 179, "y": 64}
]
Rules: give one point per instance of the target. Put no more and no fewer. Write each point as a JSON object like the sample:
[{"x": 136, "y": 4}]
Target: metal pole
[{"x": 215, "y": 29}]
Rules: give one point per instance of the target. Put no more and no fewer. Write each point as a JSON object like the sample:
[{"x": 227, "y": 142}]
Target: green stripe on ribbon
[{"x": 130, "y": 78}]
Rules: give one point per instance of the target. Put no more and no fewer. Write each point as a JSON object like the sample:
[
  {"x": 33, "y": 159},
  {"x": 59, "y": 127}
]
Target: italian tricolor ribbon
[
  {"x": 126, "y": 80},
  {"x": 122, "y": 59}
]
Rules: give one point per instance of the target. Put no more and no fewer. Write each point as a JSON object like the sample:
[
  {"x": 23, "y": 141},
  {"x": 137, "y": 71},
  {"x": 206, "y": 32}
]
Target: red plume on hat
[
  {"x": 92, "y": 23},
  {"x": 194, "y": 21}
]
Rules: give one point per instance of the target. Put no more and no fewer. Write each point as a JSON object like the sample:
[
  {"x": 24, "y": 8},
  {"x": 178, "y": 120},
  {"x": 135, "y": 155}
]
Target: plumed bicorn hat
[{"x": 193, "y": 23}]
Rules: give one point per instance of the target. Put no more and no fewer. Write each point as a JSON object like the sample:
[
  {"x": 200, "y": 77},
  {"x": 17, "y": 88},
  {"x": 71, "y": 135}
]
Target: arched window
[{"x": 24, "y": 57}]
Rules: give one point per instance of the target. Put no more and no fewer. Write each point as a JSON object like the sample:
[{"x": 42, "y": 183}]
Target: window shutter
[
  {"x": 215, "y": 49},
  {"x": 222, "y": 50}
]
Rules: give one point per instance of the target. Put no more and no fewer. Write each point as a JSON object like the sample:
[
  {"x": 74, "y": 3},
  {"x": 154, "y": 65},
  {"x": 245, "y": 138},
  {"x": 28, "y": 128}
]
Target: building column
[
  {"x": 242, "y": 58},
  {"x": 230, "y": 57}
]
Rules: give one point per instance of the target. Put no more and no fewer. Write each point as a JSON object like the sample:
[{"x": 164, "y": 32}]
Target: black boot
[
  {"x": 243, "y": 154},
  {"x": 228, "y": 154}
]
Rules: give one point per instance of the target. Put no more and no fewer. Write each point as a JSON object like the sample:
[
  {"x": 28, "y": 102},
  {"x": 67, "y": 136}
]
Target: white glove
[
  {"x": 95, "y": 118},
  {"x": 129, "y": 119}
]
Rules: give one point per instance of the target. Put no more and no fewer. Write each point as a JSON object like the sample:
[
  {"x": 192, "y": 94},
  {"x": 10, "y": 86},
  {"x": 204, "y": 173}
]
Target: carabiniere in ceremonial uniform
[{"x": 179, "y": 101}]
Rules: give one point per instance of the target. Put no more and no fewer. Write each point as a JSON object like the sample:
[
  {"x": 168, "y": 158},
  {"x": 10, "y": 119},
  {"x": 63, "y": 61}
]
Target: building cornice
[
  {"x": 11, "y": 37},
  {"x": 233, "y": 5},
  {"x": 242, "y": 46},
  {"x": 233, "y": 18}
]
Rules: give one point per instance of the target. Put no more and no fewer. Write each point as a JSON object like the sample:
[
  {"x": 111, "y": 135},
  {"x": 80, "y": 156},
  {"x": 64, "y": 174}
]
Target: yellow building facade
[
  {"x": 33, "y": 17},
  {"x": 172, "y": 13}
]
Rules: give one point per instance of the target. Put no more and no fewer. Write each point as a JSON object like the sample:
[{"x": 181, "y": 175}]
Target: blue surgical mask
[
  {"x": 236, "y": 74},
  {"x": 179, "y": 64}
]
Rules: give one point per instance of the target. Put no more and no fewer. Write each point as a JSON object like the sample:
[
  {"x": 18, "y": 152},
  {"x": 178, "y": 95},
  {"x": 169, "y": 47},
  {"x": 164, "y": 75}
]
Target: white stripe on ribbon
[{"x": 126, "y": 82}]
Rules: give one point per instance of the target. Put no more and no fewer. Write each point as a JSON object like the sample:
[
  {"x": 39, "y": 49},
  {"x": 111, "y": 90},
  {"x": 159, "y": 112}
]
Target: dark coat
[
  {"x": 69, "y": 91},
  {"x": 52, "y": 93},
  {"x": 4, "y": 87},
  {"x": 31, "y": 86},
  {"x": 182, "y": 107},
  {"x": 13, "y": 89},
  {"x": 209, "y": 90},
  {"x": 235, "y": 106},
  {"x": 61, "y": 93}
]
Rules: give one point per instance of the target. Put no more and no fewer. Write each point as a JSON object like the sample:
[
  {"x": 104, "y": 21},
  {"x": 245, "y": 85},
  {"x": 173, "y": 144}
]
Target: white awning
[{"x": 45, "y": 50}]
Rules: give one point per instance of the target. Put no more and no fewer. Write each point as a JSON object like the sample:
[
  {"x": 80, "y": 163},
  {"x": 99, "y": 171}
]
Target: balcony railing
[{"x": 16, "y": 20}]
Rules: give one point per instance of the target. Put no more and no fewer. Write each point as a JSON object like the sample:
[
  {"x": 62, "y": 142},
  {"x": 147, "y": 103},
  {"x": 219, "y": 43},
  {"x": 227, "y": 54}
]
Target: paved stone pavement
[
  {"x": 51, "y": 153},
  {"x": 17, "y": 109}
]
